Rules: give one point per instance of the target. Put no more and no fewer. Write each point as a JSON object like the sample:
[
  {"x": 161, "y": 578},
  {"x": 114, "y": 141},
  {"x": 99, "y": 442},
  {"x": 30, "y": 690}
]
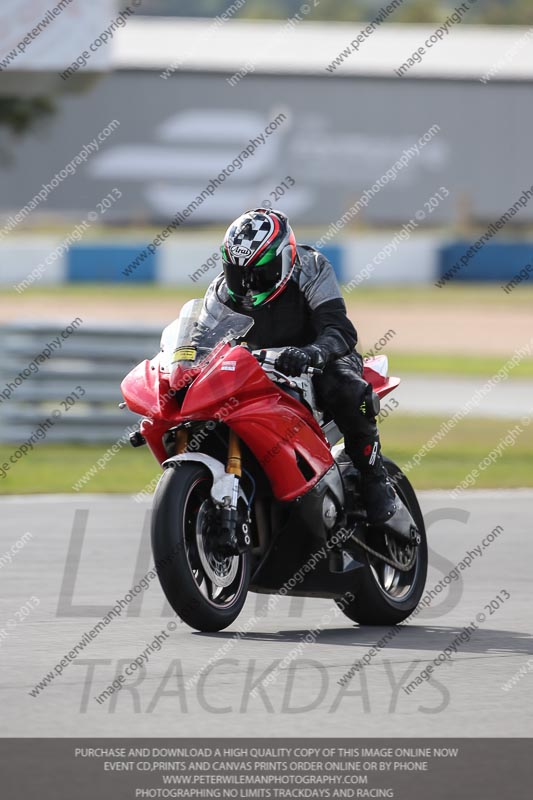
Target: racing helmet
[{"x": 258, "y": 256}]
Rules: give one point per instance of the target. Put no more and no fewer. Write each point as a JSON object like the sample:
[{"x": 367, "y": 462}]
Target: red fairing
[
  {"x": 146, "y": 391},
  {"x": 273, "y": 425},
  {"x": 141, "y": 388},
  {"x": 276, "y": 434},
  {"x": 280, "y": 431}
]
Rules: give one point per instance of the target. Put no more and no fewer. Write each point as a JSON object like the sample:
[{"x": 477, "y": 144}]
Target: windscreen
[{"x": 197, "y": 331}]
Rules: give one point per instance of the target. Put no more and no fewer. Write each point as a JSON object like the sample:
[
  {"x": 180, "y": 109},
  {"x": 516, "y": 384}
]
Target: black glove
[{"x": 293, "y": 360}]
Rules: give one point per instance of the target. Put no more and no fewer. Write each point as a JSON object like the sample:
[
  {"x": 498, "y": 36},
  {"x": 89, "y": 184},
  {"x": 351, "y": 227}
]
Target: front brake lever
[
  {"x": 277, "y": 374},
  {"x": 281, "y": 376}
]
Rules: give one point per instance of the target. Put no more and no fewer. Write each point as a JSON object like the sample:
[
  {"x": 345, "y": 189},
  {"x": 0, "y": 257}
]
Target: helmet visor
[{"x": 258, "y": 278}]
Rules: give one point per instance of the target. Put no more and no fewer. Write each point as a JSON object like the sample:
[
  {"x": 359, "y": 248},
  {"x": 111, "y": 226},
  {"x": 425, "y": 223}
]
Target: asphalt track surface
[{"x": 77, "y": 573}]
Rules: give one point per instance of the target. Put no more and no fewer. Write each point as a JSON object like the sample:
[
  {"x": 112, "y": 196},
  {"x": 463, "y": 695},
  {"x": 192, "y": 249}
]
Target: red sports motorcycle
[{"x": 250, "y": 459}]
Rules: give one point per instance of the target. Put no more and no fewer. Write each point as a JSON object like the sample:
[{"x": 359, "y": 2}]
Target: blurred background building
[{"x": 170, "y": 101}]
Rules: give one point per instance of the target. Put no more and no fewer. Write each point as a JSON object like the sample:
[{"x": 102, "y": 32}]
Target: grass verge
[
  {"x": 460, "y": 451},
  {"x": 56, "y": 467}
]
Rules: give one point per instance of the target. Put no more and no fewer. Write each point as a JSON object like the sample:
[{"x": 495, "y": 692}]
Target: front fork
[
  {"x": 229, "y": 516},
  {"x": 227, "y": 510}
]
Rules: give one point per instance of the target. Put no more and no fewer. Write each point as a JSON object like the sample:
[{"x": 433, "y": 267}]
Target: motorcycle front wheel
[{"x": 206, "y": 589}]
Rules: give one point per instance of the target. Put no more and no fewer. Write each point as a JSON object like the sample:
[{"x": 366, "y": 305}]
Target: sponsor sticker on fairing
[{"x": 184, "y": 354}]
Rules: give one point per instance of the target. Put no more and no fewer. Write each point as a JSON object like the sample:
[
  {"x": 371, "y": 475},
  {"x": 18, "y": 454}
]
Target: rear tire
[
  {"x": 382, "y": 597},
  {"x": 206, "y": 590}
]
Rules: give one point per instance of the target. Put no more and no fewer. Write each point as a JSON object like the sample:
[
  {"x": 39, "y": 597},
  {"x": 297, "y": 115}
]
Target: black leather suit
[{"x": 311, "y": 310}]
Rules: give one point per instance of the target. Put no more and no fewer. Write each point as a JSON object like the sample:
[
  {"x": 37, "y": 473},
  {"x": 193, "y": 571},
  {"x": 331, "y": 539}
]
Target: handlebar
[{"x": 263, "y": 359}]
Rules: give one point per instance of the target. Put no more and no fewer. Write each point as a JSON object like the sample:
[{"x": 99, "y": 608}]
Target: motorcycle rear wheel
[
  {"x": 205, "y": 589},
  {"x": 386, "y": 596}
]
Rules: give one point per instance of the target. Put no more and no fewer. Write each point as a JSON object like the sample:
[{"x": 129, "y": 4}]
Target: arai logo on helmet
[{"x": 240, "y": 251}]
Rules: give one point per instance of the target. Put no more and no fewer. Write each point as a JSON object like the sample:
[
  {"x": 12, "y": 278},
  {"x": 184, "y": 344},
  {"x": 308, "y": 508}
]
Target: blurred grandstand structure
[{"x": 390, "y": 175}]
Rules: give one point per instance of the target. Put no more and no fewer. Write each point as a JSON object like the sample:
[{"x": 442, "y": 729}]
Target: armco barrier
[{"x": 95, "y": 357}]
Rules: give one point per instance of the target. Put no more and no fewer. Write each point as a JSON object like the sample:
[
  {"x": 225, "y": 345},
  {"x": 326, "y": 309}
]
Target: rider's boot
[{"x": 384, "y": 508}]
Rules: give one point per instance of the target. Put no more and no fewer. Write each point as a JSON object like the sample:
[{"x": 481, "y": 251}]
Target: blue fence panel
[
  {"x": 111, "y": 263},
  {"x": 493, "y": 262}
]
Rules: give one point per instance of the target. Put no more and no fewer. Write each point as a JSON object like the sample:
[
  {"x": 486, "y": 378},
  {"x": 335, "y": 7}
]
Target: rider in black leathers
[{"x": 293, "y": 296}]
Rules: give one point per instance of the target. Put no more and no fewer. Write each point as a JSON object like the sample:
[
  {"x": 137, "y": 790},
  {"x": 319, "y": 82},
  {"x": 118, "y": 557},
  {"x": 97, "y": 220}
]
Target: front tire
[
  {"x": 386, "y": 596},
  {"x": 205, "y": 589}
]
